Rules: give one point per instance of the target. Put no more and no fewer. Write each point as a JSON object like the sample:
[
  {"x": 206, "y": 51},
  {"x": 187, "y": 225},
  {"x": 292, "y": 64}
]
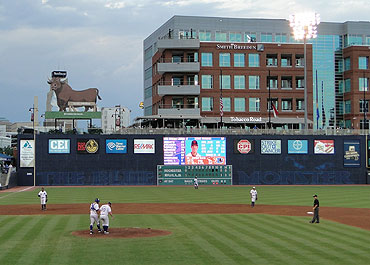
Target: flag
[
  {"x": 274, "y": 109},
  {"x": 323, "y": 116},
  {"x": 221, "y": 107},
  {"x": 317, "y": 113}
]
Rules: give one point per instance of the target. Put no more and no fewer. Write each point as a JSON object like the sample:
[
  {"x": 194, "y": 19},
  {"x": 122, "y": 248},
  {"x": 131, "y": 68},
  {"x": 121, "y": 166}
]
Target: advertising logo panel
[
  {"x": 324, "y": 147},
  {"x": 27, "y": 153},
  {"x": 194, "y": 150},
  {"x": 243, "y": 146},
  {"x": 144, "y": 146},
  {"x": 87, "y": 146},
  {"x": 351, "y": 157},
  {"x": 270, "y": 146},
  {"x": 59, "y": 146},
  {"x": 297, "y": 147},
  {"x": 116, "y": 146}
]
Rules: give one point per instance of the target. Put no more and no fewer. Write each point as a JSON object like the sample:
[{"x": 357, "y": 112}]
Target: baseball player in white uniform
[
  {"x": 196, "y": 182},
  {"x": 94, "y": 217},
  {"x": 105, "y": 211},
  {"x": 43, "y": 198},
  {"x": 254, "y": 197}
]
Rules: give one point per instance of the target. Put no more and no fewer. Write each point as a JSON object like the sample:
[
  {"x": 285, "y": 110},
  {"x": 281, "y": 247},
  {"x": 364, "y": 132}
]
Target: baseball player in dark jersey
[{"x": 316, "y": 206}]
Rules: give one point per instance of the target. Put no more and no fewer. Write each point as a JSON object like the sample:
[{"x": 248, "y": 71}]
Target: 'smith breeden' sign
[{"x": 144, "y": 146}]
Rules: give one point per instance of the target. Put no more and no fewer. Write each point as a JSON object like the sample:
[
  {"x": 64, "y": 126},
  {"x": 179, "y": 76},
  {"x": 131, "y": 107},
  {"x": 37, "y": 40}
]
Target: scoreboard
[{"x": 185, "y": 174}]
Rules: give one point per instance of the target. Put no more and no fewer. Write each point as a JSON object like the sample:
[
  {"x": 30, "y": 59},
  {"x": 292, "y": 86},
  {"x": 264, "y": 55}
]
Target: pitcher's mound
[{"x": 123, "y": 233}]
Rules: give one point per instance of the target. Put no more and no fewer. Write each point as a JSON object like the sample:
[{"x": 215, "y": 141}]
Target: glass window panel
[
  {"x": 347, "y": 106},
  {"x": 347, "y": 64},
  {"x": 207, "y": 81},
  {"x": 225, "y": 59},
  {"x": 239, "y": 104},
  {"x": 239, "y": 82},
  {"x": 225, "y": 81},
  {"x": 207, "y": 104},
  {"x": 254, "y": 60},
  {"x": 363, "y": 84},
  {"x": 250, "y": 37},
  {"x": 286, "y": 104},
  {"x": 207, "y": 59},
  {"x": 221, "y": 36},
  {"x": 204, "y": 35},
  {"x": 363, "y": 62},
  {"x": 235, "y": 37},
  {"x": 266, "y": 37},
  {"x": 227, "y": 104},
  {"x": 239, "y": 59},
  {"x": 347, "y": 85},
  {"x": 254, "y": 104},
  {"x": 254, "y": 82}
]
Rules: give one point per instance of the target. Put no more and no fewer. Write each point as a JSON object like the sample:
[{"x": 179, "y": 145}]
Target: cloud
[{"x": 115, "y": 5}]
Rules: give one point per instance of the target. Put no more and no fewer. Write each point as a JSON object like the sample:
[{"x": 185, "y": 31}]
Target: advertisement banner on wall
[
  {"x": 87, "y": 146},
  {"x": 324, "y": 147},
  {"x": 27, "y": 153},
  {"x": 116, "y": 146},
  {"x": 144, "y": 146},
  {"x": 297, "y": 147},
  {"x": 59, "y": 146},
  {"x": 270, "y": 146},
  {"x": 243, "y": 146},
  {"x": 351, "y": 157}
]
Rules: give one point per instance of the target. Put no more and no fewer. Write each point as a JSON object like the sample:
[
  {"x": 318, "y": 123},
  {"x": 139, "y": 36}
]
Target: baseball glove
[{"x": 46, "y": 200}]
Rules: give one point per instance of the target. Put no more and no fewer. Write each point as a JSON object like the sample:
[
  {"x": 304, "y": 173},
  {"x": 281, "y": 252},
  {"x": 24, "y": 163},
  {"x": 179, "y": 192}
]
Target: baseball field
[{"x": 181, "y": 225}]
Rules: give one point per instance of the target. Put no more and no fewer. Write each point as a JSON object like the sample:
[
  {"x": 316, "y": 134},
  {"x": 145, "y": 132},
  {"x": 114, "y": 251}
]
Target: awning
[{"x": 5, "y": 157}]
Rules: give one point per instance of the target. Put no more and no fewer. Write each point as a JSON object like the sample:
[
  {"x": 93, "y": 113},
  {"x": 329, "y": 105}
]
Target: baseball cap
[
  {"x": 314, "y": 195},
  {"x": 194, "y": 142},
  {"x": 254, "y": 187},
  {"x": 97, "y": 200}
]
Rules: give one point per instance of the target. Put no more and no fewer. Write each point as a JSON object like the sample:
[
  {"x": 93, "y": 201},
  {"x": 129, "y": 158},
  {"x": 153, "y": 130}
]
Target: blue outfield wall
[{"x": 255, "y": 167}]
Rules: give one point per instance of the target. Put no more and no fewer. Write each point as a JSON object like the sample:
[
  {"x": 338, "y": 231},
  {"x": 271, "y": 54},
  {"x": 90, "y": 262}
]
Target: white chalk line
[{"x": 25, "y": 189}]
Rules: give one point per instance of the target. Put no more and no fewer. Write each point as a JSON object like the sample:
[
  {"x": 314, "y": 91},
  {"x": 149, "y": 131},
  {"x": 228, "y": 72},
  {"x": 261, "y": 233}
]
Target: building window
[
  {"x": 275, "y": 102},
  {"x": 254, "y": 104},
  {"x": 207, "y": 59},
  {"x": 347, "y": 107},
  {"x": 239, "y": 82},
  {"x": 363, "y": 84},
  {"x": 177, "y": 80},
  {"x": 363, "y": 62},
  {"x": 299, "y": 104},
  {"x": 266, "y": 37},
  {"x": 254, "y": 82},
  {"x": 207, "y": 81},
  {"x": 286, "y": 60},
  {"x": 352, "y": 39},
  {"x": 204, "y": 35},
  {"x": 286, "y": 104},
  {"x": 347, "y": 64},
  {"x": 364, "y": 107},
  {"x": 271, "y": 60},
  {"x": 177, "y": 58},
  {"x": 272, "y": 81},
  {"x": 250, "y": 37},
  {"x": 299, "y": 60},
  {"x": 221, "y": 36},
  {"x": 207, "y": 104},
  {"x": 254, "y": 60},
  {"x": 235, "y": 37},
  {"x": 225, "y": 59},
  {"x": 148, "y": 53},
  {"x": 148, "y": 73},
  {"x": 286, "y": 82},
  {"x": 299, "y": 82},
  {"x": 192, "y": 80},
  {"x": 148, "y": 111},
  {"x": 177, "y": 103},
  {"x": 192, "y": 102},
  {"x": 239, "y": 104},
  {"x": 148, "y": 92},
  {"x": 280, "y": 37},
  {"x": 239, "y": 59},
  {"x": 225, "y": 82},
  {"x": 227, "y": 104},
  {"x": 347, "y": 85}
]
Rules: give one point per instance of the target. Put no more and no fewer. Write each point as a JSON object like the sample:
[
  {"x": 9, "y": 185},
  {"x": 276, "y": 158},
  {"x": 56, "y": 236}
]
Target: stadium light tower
[{"x": 304, "y": 27}]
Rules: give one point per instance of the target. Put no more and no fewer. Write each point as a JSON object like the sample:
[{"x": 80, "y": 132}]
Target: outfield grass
[{"x": 196, "y": 238}]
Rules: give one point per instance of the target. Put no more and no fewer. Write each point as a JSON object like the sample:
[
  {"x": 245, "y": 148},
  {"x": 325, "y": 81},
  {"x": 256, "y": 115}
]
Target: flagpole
[
  {"x": 322, "y": 105},
  {"x": 317, "y": 103},
  {"x": 221, "y": 114},
  {"x": 269, "y": 108}
]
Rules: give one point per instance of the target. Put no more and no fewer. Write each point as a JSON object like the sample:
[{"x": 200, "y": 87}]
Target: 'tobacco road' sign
[{"x": 244, "y": 146}]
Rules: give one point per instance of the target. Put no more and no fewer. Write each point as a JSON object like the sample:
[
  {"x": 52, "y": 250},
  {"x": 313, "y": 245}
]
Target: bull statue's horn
[
  {"x": 49, "y": 80},
  {"x": 64, "y": 80}
]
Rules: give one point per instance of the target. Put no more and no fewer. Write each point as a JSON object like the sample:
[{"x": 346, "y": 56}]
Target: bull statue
[{"x": 66, "y": 94}]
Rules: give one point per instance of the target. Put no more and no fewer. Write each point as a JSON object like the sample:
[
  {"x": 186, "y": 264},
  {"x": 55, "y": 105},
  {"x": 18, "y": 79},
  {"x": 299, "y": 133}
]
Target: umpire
[{"x": 316, "y": 207}]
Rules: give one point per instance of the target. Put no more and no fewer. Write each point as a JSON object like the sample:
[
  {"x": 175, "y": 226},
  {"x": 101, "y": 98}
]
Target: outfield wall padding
[{"x": 141, "y": 169}]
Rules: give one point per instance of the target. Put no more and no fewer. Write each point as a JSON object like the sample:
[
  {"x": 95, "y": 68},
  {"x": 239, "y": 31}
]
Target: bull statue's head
[{"x": 56, "y": 83}]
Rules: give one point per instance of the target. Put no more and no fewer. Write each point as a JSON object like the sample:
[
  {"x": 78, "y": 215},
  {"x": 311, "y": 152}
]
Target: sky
[{"x": 100, "y": 42}]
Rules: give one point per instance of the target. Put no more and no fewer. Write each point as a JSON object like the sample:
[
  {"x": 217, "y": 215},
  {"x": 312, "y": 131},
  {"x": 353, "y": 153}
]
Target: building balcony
[
  {"x": 180, "y": 89},
  {"x": 184, "y": 44},
  {"x": 178, "y": 67},
  {"x": 181, "y": 110}
]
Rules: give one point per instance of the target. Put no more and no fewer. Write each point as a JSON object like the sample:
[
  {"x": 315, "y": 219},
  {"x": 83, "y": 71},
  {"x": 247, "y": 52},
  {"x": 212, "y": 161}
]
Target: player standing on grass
[
  {"x": 43, "y": 198},
  {"x": 196, "y": 182},
  {"x": 254, "y": 197},
  {"x": 94, "y": 217},
  {"x": 105, "y": 211}
]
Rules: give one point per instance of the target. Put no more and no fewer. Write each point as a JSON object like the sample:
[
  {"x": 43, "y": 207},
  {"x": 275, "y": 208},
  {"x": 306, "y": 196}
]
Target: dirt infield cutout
[{"x": 127, "y": 232}]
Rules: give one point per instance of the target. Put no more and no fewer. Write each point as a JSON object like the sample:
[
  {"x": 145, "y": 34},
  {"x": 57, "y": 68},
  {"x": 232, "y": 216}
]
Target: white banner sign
[
  {"x": 144, "y": 146},
  {"x": 27, "y": 153}
]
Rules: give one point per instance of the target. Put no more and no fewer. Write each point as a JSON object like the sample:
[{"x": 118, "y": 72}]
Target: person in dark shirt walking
[{"x": 316, "y": 206}]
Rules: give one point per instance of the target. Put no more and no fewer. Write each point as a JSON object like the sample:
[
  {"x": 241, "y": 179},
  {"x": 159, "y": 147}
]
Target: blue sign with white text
[
  {"x": 116, "y": 146},
  {"x": 297, "y": 147}
]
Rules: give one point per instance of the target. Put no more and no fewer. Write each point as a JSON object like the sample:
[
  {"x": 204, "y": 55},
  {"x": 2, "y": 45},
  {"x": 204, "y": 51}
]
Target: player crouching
[
  {"x": 94, "y": 218},
  {"x": 105, "y": 211}
]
